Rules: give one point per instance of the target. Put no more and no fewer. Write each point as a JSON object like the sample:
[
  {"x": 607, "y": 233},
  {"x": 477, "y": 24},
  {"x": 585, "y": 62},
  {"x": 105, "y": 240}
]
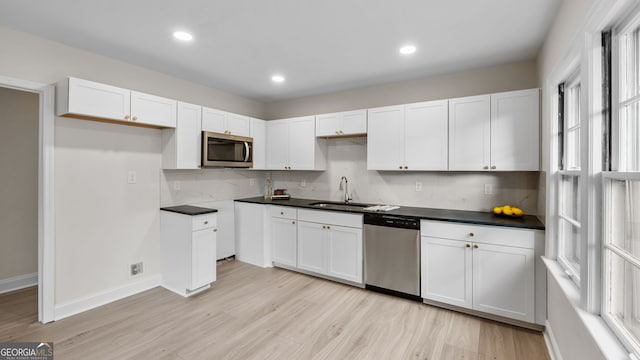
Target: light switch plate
[
  {"x": 418, "y": 186},
  {"x": 132, "y": 177},
  {"x": 488, "y": 189}
]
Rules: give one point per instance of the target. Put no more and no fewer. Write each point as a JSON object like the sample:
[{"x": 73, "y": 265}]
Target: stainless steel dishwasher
[{"x": 392, "y": 255}]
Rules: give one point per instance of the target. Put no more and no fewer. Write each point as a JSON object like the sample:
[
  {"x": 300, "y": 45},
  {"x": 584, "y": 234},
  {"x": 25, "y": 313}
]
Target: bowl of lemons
[{"x": 509, "y": 211}]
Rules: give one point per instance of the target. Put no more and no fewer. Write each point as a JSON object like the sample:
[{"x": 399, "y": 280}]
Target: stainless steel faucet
[{"x": 345, "y": 187}]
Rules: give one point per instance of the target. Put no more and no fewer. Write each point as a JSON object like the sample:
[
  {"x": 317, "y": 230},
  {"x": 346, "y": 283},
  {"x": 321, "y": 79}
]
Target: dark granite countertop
[
  {"x": 189, "y": 210},
  {"x": 470, "y": 217}
]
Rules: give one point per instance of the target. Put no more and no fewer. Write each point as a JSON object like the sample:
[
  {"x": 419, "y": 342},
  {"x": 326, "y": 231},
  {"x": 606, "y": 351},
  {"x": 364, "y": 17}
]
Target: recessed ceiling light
[
  {"x": 183, "y": 36},
  {"x": 277, "y": 78},
  {"x": 407, "y": 50}
]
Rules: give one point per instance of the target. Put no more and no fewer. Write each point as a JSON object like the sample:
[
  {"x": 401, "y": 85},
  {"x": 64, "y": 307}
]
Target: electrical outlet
[
  {"x": 418, "y": 186},
  {"x": 488, "y": 189},
  {"x": 176, "y": 185},
  {"x": 132, "y": 177},
  {"x": 252, "y": 182},
  {"x": 136, "y": 268},
  {"x": 303, "y": 183}
]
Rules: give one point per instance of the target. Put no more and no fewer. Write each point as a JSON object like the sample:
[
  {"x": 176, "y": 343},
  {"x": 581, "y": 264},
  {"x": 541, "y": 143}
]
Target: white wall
[
  {"x": 102, "y": 223},
  {"x": 505, "y": 77},
  {"x": 446, "y": 190},
  {"x": 19, "y": 179}
]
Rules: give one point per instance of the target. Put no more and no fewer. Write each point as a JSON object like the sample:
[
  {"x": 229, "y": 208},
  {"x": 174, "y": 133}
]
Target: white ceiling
[{"x": 320, "y": 46}]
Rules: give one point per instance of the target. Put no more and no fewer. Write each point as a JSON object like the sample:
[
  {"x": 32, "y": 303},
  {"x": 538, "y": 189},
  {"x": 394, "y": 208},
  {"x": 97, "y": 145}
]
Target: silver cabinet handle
[
  {"x": 206, "y": 222},
  {"x": 215, "y": 230}
]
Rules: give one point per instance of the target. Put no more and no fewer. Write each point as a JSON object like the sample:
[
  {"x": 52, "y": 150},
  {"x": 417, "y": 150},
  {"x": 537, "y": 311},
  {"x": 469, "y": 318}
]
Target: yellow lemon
[
  {"x": 497, "y": 210},
  {"x": 517, "y": 211},
  {"x": 506, "y": 207},
  {"x": 507, "y": 211}
]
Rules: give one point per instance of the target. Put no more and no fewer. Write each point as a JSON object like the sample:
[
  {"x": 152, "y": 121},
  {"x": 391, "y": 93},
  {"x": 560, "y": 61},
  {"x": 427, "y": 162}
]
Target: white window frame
[
  {"x": 619, "y": 166},
  {"x": 574, "y": 273}
]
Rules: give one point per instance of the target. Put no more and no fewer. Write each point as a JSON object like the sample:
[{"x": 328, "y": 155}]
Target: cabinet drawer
[
  {"x": 498, "y": 235},
  {"x": 205, "y": 221},
  {"x": 331, "y": 217},
  {"x": 285, "y": 212}
]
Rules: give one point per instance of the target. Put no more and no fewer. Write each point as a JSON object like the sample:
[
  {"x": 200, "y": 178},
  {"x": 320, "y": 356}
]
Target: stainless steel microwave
[{"x": 222, "y": 150}]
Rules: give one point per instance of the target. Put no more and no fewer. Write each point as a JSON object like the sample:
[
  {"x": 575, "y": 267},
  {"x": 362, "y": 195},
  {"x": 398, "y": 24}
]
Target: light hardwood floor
[{"x": 255, "y": 313}]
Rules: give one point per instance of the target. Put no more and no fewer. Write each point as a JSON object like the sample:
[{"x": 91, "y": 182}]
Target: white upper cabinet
[
  {"x": 385, "y": 144},
  {"x": 470, "y": 133},
  {"x": 292, "y": 145},
  {"x": 181, "y": 147},
  {"x": 225, "y": 123},
  {"x": 258, "y": 131},
  {"x": 408, "y": 137},
  {"x": 350, "y": 123},
  {"x": 153, "y": 110},
  {"x": 277, "y": 144},
  {"x": 90, "y": 98},
  {"x": 94, "y": 101},
  {"x": 425, "y": 133},
  {"x": 515, "y": 130},
  {"x": 498, "y": 132}
]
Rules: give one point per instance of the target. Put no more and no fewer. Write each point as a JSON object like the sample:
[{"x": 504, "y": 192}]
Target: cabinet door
[
  {"x": 153, "y": 110},
  {"x": 258, "y": 131},
  {"x": 99, "y": 100},
  {"x": 302, "y": 143},
  {"x": 277, "y": 144},
  {"x": 503, "y": 281},
  {"x": 238, "y": 125},
  {"x": 214, "y": 120},
  {"x": 515, "y": 130},
  {"x": 385, "y": 140},
  {"x": 311, "y": 247},
  {"x": 469, "y": 133},
  {"x": 284, "y": 241},
  {"x": 328, "y": 124},
  {"x": 354, "y": 122},
  {"x": 188, "y": 136},
  {"x": 446, "y": 271},
  {"x": 426, "y": 135},
  {"x": 344, "y": 260},
  {"x": 203, "y": 258}
]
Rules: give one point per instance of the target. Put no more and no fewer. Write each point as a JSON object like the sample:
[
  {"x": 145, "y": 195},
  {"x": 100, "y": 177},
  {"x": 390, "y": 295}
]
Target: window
[
  {"x": 621, "y": 195},
  {"x": 568, "y": 225}
]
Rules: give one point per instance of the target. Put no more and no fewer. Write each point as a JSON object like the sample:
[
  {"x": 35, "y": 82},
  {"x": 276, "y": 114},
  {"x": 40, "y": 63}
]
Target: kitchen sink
[{"x": 340, "y": 206}]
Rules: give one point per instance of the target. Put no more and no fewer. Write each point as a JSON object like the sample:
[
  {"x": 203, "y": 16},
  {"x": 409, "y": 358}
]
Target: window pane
[
  {"x": 624, "y": 218},
  {"x": 573, "y": 149},
  {"x": 569, "y": 197},
  {"x": 630, "y": 136},
  {"x": 570, "y": 244},
  {"x": 573, "y": 106},
  {"x": 624, "y": 300}
]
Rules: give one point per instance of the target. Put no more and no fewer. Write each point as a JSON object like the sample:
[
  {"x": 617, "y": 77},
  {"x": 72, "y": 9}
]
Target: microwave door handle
[{"x": 246, "y": 149}]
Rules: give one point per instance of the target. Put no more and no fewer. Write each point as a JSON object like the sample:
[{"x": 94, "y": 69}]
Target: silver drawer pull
[{"x": 206, "y": 222}]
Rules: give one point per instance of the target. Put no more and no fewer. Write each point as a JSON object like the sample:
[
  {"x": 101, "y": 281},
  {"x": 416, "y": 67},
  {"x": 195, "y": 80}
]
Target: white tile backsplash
[{"x": 347, "y": 157}]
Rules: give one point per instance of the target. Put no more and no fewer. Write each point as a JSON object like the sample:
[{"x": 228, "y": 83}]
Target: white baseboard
[
  {"x": 18, "y": 282},
  {"x": 552, "y": 345},
  {"x": 91, "y": 302}
]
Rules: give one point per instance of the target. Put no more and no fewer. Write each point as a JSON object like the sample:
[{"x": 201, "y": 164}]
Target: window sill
[{"x": 606, "y": 340}]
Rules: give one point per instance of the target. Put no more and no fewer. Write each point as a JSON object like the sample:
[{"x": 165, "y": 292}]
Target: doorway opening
[{"x": 26, "y": 210}]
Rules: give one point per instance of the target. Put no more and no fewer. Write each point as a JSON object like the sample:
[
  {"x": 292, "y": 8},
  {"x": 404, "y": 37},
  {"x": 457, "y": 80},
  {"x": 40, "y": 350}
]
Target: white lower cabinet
[
  {"x": 330, "y": 244},
  {"x": 485, "y": 268},
  {"x": 283, "y": 236},
  {"x": 188, "y": 252},
  {"x": 312, "y": 247},
  {"x": 252, "y": 240}
]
